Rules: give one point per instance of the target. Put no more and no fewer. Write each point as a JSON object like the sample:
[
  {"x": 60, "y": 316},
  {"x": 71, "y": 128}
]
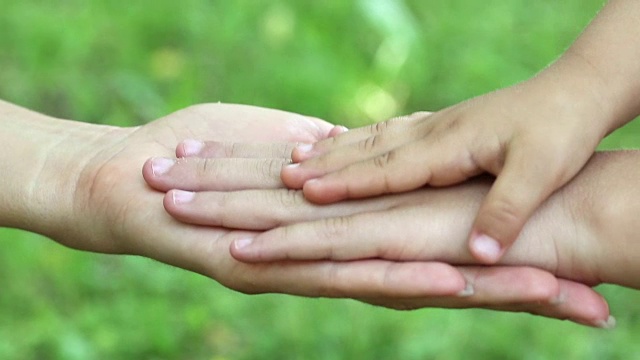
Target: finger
[
  {"x": 260, "y": 209},
  {"x": 295, "y": 175},
  {"x": 205, "y": 250},
  {"x": 365, "y": 235},
  {"x": 578, "y": 303},
  {"x": 339, "y": 139},
  {"x": 408, "y": 167},
  {"x": 367, "y": 278},
  {"x": 525, "y": 181},
  {"x": 352, "y": 136},
  {"x": 313, "y": 161},
  {"x": 218, "y": 149},
  {"x": 520, "y": 289},
  {"x": 196, "y": 174}
]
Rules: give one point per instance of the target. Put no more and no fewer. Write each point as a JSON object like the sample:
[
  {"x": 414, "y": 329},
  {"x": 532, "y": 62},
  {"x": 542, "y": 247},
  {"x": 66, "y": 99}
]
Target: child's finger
[
  {"x": 295, "y": 175},
  {"x": 525, "y": 181},
  {"x": 303, "y": 153},
  {"x": 401, "y": 169}
]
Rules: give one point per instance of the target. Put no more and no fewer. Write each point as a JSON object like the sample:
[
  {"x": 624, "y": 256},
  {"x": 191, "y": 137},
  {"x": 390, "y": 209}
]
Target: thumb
[{"x": 522, "y": 185}]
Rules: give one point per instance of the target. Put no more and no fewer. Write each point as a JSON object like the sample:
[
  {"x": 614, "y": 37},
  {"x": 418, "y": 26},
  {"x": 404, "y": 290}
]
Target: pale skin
[
  {"x": 80, "y": 185},
  {"x": 534, "y": 136},
  {"x": 583, "y": 233}
]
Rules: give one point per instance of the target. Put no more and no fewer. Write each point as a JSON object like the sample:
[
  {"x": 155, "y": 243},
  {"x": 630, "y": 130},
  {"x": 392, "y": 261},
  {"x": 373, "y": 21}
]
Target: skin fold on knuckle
[
  {"x": 207, "y": 168},
  {"x": 501, "y": 218},
  {"x": 289, "y": 206},
  {"x": 330, "y": 232},
  {"x": 271, "y": 170},
  {"x": 368, "y": 145}
]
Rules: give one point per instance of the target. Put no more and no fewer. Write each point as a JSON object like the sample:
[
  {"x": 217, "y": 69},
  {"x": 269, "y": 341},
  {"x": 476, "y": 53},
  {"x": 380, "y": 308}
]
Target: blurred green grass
[{"x": 350, "y": 62}]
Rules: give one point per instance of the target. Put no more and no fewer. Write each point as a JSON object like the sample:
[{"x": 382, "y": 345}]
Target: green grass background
[{"x": 350, "y": 62}]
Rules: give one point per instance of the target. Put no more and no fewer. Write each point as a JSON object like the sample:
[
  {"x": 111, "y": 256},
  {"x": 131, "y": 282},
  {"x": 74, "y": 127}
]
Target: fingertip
[
  {"x": 337, "y": 130},
  {"x": 153, "y": 171},
  {"x": 290, "y": 176},
  {"x": 316, "y": 191},
  {"x": 302, "y": 152},
  {"x": 189, "y": 148},
  {"x": 147, "y": 172},
  {"x": 245, "y": 249},
  {"x": 485, "y": 248}
]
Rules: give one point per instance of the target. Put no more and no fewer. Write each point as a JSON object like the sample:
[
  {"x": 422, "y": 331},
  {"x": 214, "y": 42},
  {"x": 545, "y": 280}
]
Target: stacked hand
[
  {"x": 80, "y": 184},
  {"x": 417, "y": 237}
]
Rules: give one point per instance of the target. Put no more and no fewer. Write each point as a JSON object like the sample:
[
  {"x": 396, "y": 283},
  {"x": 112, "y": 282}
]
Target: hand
[
  {"x": 343, "y": 225},
  {"x": 110, "y": 209},
  {"x": 534, "y": 137}
]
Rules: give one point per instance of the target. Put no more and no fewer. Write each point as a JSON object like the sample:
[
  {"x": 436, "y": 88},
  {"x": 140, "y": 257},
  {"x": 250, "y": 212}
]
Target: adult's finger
[
  {"x": 262, "y": 209},
  {"x": 218, "y": 149},
  {"x": 226, "y": 174},
  {"x": 391, "y": 234},
  {"x": 520, "y": 289}
]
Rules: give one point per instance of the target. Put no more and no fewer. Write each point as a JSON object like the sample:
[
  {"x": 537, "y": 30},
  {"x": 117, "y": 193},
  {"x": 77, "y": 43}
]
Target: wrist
[
  {"x": 603, "y": 201},
  {"x": 580, "y": 95},
  {"x": 43, "y": 161}
]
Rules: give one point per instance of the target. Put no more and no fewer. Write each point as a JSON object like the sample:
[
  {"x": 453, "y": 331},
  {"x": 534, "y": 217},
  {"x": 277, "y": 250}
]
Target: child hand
[{"x": 534, "y": 137}]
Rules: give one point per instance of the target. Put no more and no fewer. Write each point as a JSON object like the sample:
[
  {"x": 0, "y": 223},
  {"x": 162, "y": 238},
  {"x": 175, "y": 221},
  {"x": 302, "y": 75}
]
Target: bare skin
[
  {"x": 80, "y": 185},
  {"x": 534, "y": 136},
  {"x": 425, "y": 224}
]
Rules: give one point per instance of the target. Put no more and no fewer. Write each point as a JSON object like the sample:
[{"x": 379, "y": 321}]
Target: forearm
[
  {"x": 601, "y": 68},
  {"x": 607, "y": 197},
  {"x": 41, "y": 163}
]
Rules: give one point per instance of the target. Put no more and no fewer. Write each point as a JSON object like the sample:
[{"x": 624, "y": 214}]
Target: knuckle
[
  {"x": 380, "y": 127},
  {"x": 286, "y": 151},
  {"x": 272, "y": 168},
  {"x": 369, "y": 144},
  {"x": 206, "y": 167},
  {"x": 504, "y": 212},
  {"x": 288, "y": 199},
  {"x": 331, "y": 286},
  {"x": 231, "y": 150},
  {"x": 332, "y": 229},
  {"x": 384, "y": 160}
]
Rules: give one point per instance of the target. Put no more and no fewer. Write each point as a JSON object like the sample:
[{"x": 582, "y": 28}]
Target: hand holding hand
[
  {"x": 89, "y": 195},
  {"x": 423, "y": 225},
  {"x": 526, "y": 135}
]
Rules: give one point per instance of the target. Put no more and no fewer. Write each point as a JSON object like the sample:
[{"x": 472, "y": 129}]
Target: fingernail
[
  {"x": 468, "y": 291},
  {"x": 242, "y": 243},
  {"x": 610, "y": 323},
  {"x": 486, "y": 248},
  {"x": 560, "y": 299},
  {"x": 293, "y": 166},
  {"x": 337, "y": 130},
  {"x": 192, "y": 147},
  {"x": 305, "y": 148},
  {"x": 182, "y": 197},
  {"x": 160, "y": 166}
]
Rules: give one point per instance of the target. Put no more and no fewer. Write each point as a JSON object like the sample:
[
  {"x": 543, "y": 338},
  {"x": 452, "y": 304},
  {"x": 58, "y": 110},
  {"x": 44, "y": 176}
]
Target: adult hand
[{"x": 80, "y": 184}]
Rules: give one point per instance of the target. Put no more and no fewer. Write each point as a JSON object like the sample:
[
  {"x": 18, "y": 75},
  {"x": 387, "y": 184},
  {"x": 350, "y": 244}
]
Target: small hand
[{"x": 532, "y": 138}]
